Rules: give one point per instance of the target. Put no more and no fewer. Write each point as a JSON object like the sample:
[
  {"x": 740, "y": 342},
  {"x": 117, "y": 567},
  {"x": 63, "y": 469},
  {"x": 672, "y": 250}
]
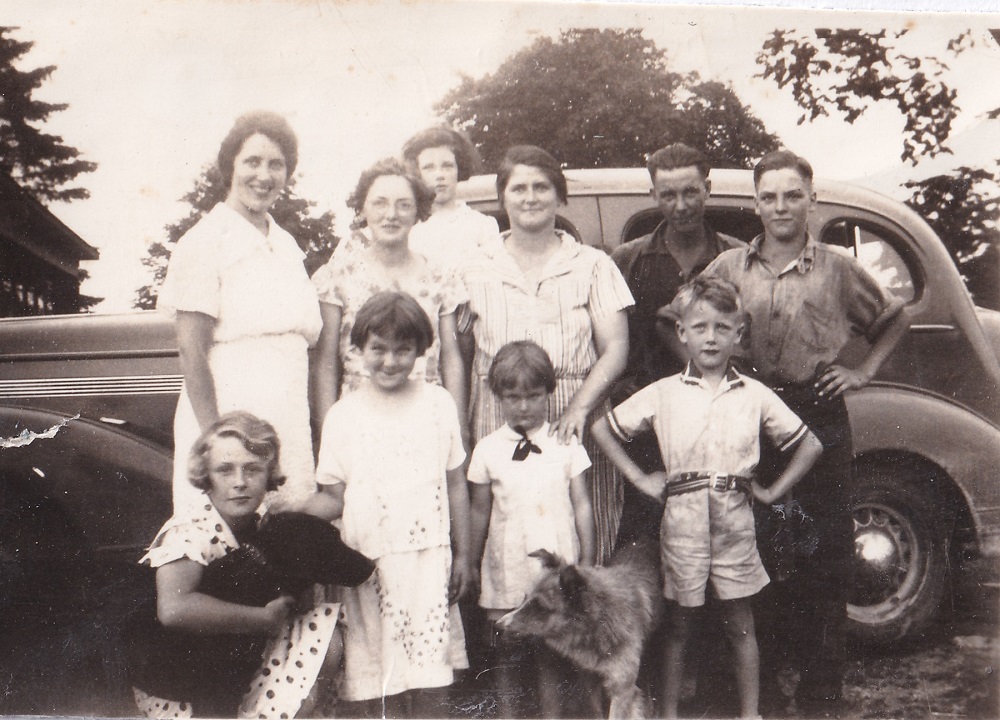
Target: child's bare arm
[
  {"x": 453, "y": 372},
  {"x": 180, "y": 605},
  {"x": 481, "y": 505},
  {"x": 458, "y": 505},
  {"x": 807, "y": 452},
  {"x": 583, "y": 513},
  {"x": 327, "y": 503},
  {"x": 650, "y": 483}
]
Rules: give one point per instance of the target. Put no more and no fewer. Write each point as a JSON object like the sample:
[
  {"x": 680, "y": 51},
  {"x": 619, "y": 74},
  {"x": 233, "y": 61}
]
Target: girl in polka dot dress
[
  {"x": 265, "y": 660},
  {"x": 390, "y": 469}
]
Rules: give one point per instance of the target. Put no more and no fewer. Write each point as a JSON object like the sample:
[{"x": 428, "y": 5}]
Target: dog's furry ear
[
  {"x": 549, "y": 560},
  {"x": 573, "y": 585}
]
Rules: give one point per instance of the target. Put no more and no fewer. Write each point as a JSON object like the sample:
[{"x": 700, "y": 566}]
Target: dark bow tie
[{"x": 524, "y": 446}]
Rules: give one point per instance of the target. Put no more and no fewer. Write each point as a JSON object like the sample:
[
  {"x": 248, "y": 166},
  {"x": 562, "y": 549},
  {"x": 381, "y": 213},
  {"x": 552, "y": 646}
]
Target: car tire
[{"x": 901, "y": 543}]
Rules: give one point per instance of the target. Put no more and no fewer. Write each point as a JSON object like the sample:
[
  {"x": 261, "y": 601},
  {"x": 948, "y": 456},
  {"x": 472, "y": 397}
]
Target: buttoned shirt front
[{"x": 801, "y": 316}]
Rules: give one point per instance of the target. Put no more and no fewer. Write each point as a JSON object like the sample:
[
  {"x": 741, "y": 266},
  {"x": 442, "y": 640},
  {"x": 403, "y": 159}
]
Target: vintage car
[{"x": 86, "y": 408}]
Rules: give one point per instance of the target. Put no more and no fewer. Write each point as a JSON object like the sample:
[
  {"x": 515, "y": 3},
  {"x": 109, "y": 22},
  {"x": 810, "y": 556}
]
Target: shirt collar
[
  {"x": 804, "y": 263},
  {"x": 692, "y": 375},
  {"x": 658, "y": 240},
  {"x": 512, "y": 434}
]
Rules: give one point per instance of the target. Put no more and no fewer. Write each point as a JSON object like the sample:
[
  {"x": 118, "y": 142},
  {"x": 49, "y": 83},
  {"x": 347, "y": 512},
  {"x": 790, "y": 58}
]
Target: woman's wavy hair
[
  {"x": 389, "y": 166},
  {"x": 535, "y": 157},
  {"x": 466, "y": 155},
  {"x": 258, "y": 436},
  {"x": 259, "y": 122}
]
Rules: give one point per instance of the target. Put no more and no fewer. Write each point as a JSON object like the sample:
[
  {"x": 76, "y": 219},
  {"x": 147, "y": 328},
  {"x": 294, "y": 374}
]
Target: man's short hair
[
  {"x": 673, "y": 157},
  {"x": 781, "y": 160},
  {"x": 718, "y": 292}
]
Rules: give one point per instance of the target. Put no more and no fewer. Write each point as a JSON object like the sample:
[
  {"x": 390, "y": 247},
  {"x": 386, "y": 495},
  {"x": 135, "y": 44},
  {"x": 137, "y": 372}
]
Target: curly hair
[
  {"x": 466, "y": 155},
  {"x": 388, "y": 167},
  {"x": 535, "y": 157},
  {"x": 258, "y": 436},
  {"x": 259, "y": 122},
  {"x": 721, "y": 294}
]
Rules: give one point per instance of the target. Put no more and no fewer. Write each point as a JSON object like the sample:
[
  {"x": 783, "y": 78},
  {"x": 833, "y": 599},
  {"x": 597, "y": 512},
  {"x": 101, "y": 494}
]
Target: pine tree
[{"x": 38, "y": 161}]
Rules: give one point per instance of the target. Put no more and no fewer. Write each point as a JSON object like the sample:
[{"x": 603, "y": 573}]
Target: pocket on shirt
[{"x": 816, "y": 327}]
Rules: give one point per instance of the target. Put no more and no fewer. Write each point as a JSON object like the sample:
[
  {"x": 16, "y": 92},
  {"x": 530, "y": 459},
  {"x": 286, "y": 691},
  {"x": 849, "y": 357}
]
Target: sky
[{"x": 154, "y": 85}]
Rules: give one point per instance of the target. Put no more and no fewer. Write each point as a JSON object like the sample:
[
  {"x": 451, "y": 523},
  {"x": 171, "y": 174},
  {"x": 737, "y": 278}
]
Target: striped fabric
[{"x": 578, "y": 286}]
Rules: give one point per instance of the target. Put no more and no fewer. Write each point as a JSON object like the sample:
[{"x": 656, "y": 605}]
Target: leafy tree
[
  {"x": 602, "y": 98},
  {"x": 963, "y": 209},
  {"x": 315, "y": 235},
  {"x": 38, "y": 161},
  {"x": 847, "y": 71}
]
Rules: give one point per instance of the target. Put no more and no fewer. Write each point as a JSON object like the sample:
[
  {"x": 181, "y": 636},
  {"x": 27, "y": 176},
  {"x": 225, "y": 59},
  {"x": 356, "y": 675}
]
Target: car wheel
[{"x": 900, "y": 552}]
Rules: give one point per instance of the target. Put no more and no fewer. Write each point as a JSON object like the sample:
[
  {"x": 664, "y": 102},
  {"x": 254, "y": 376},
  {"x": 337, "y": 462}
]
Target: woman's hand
[{"x": 572, "y": 422}]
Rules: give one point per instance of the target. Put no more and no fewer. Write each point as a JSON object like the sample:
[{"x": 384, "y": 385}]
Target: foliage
[
  {"x": 963, "y": 209},
  {"x": 314, "y": 235},
  {"x": 847, "y": 71},
  {"x": 602, "y": 98},
  {"x": 38, "y": 161}
]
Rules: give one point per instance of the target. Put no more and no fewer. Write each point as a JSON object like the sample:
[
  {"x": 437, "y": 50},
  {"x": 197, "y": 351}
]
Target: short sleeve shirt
[
  {"x": 251, "y": 284},
  {"x": 801, "y": 316},
  {"x": 449, "y": 237},
  {"x": 393, "y": 463},
  {"x": 201, "y": 536},
  {"x": 701, "y": 430}
]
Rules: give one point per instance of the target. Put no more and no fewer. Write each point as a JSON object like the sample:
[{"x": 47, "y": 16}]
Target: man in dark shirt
[
  {"x": 804, "y": 301},
  {"x": 656, "y": 265}
]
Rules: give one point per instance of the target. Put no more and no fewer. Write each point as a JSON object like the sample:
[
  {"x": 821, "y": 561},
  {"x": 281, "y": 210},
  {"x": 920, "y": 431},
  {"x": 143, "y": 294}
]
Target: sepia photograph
[{"x": 499, "y": 359}]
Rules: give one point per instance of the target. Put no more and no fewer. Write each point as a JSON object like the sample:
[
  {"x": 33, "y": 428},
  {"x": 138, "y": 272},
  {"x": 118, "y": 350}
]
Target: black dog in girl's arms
[{"x": 289, "y": 553}]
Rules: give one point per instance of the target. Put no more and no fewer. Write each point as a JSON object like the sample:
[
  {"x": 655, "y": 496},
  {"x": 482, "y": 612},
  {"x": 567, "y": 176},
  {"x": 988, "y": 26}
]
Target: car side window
[{"x": 877, "y": 254}]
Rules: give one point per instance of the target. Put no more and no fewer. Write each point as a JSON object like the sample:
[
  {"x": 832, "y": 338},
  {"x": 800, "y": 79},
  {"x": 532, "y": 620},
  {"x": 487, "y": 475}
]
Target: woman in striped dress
[{"x": 540, "y": 284}]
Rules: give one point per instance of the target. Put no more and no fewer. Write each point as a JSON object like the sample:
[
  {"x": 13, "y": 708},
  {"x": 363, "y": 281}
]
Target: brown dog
[{"x": 597, "y": 617}]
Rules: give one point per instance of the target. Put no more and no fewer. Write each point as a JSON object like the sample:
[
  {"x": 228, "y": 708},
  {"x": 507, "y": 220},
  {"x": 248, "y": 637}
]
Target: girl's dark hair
[
  {"x": 521, "y": 363},
  {"x": 466, "y": 156},
  {"x": 535, "y": 157},
  {"x": 258, "y": 436},
  {"x": 392, "y": 315},
  {"x": 423, "y": 195},
  {"x": 272, "y": 126}
]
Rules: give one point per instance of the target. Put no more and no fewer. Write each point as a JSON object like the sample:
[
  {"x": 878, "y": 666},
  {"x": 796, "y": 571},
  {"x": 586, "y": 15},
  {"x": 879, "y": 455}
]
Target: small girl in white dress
[
  {"x": 530, "y": 493},
  {"x": 390, "y": 466}
]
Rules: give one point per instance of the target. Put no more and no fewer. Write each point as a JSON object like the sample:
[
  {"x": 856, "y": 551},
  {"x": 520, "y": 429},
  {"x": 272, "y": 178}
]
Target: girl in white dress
[
  {"x": 529, "y": 493},
  {"x": 245, "y": 311},
  {"x": 390, "y": 468}
]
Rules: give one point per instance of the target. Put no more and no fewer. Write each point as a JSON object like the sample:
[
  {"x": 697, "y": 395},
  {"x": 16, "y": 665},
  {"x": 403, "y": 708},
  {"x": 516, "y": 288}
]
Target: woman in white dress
[{"x": 245, "y": 311}]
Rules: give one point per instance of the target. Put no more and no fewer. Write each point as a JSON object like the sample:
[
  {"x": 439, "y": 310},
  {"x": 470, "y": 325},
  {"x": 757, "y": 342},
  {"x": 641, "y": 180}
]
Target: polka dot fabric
[
  {"x": 291, "y": 665},
  {"x": 154, "y": 707}
]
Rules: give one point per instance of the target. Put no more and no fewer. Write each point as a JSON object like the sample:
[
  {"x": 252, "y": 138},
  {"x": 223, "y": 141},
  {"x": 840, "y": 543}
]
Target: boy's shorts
[{"x": 708, "y": 535}]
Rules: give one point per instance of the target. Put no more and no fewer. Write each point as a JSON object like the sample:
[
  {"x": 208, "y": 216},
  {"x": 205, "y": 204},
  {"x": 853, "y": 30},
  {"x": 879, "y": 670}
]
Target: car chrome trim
[
  {"x": 931, "y": 328},
  {"x": 69, "y": 387}
]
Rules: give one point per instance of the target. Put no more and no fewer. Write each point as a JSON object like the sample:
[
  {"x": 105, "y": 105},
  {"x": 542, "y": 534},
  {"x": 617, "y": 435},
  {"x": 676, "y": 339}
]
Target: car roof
[{"x": 725, "y": 183}]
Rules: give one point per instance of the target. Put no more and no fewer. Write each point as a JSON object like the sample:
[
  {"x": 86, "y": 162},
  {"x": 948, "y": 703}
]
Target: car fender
[{"x": 895, "y": 418}]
